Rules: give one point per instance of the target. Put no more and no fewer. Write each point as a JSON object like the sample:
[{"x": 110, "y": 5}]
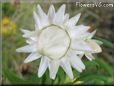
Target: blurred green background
[{"x": 17, "y": 15}]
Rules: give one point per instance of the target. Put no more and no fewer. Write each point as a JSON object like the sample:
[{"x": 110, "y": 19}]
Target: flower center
[{"x": 53, "y": 42}]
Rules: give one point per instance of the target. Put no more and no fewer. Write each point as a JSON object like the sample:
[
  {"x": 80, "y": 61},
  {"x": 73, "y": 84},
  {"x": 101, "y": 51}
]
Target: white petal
[
  {"x": 41, "y": 13},
  {"x": 59, "y": 16},
  {"x": 67, "y": 67},
  {"x": 81, "y": 46},
  {"x": 98, "y": 41},
  {"x": 73, "y": 63},
  {"x": 78, "y": 32},
  {"x": 77, "y": 63},
  {"x": 29, "y": 34},
  {"x": 73, "y": 20},
  {"x": 79, "y": 53},
  {"x": 53, "y": 68},
  {"x": 86, "y": 46},
  {"x": 89, "y": 56},
  {"x": 34, "y": 38},
  {"x": 32, "y": 34},
  {"x": 37, "y": 20},
  {"x": 66, "y": 18},
  {"x": 43, "y": 17},
  {"x": 30, "y": 41},
  {"x": 96, "y": 48},
  {"x": 32, "y": 57},
  {"x": 25, "y": 31},
  {"x": 90, "y": 35},
  {"x": 51, "y": 13},
  {"x": 43, "y": 66},
  {"x": 28, "y": 48},
  {"x": 85, "y": 35},
  {"x": 81, "y": 29}
]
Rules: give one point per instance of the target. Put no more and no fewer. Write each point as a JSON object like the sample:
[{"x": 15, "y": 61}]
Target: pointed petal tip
[
  {"x": 96, "y": 47},
  {"x": 34, "y": 13},
  {"x": 63, "y": 5},
  {"x": 99, "y": 50},
  {"x": 51, "y": 12},
  {"x": 38, "y": 5},
  {"x": 40, "y": 11},
  {"x": 42, "y": 66},
  {"x": 52, "y": 6},
  {"x": 39, "y": 75},
  {"x": 67, "y": 68},
  {"x": 94, "y": 32},
  {"x": 18, "y": 50},
  {"x": 79, "y": 14},
  {"x": 72, "y": 77},
  {"x": 52, "y": 78},
  {"x": 53, "y": 68},
  {"x": 25, "y": 61},
  {"x": 84, "y": 67},
  {"x": 90, "y": 59},
  {"x": 80, "y": 71},
  {"x": 22, "y": 30},
  {"x": 72, "y": 21}
]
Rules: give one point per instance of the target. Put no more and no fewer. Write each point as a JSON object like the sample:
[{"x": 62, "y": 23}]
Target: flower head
[
  {"x": 8, "y": 26},
  {"x": 58, "y": 41}
]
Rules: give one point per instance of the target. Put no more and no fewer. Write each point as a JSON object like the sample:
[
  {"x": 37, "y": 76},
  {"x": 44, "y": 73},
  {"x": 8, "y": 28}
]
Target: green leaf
[
  {"x": 61, "y": 76},
  {"x": 13, "y": 79},
  {"x": 105, "y": 66},
  {"x": 34, "y": 80},
  {"x": 106, "y": 43},
  {"x": 56, "y": 81},
  {"x": 91, "y": 63},
  {"x": 90, "y": 76},
  {"x": 46, "y": 78}
]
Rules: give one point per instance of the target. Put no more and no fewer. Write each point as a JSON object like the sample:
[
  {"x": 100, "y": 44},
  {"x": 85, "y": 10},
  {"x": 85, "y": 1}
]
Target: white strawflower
[{"x": 58, "y": 41}]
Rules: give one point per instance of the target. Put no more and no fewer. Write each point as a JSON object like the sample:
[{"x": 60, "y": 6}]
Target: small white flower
[{"x": 58, "y": 41}]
